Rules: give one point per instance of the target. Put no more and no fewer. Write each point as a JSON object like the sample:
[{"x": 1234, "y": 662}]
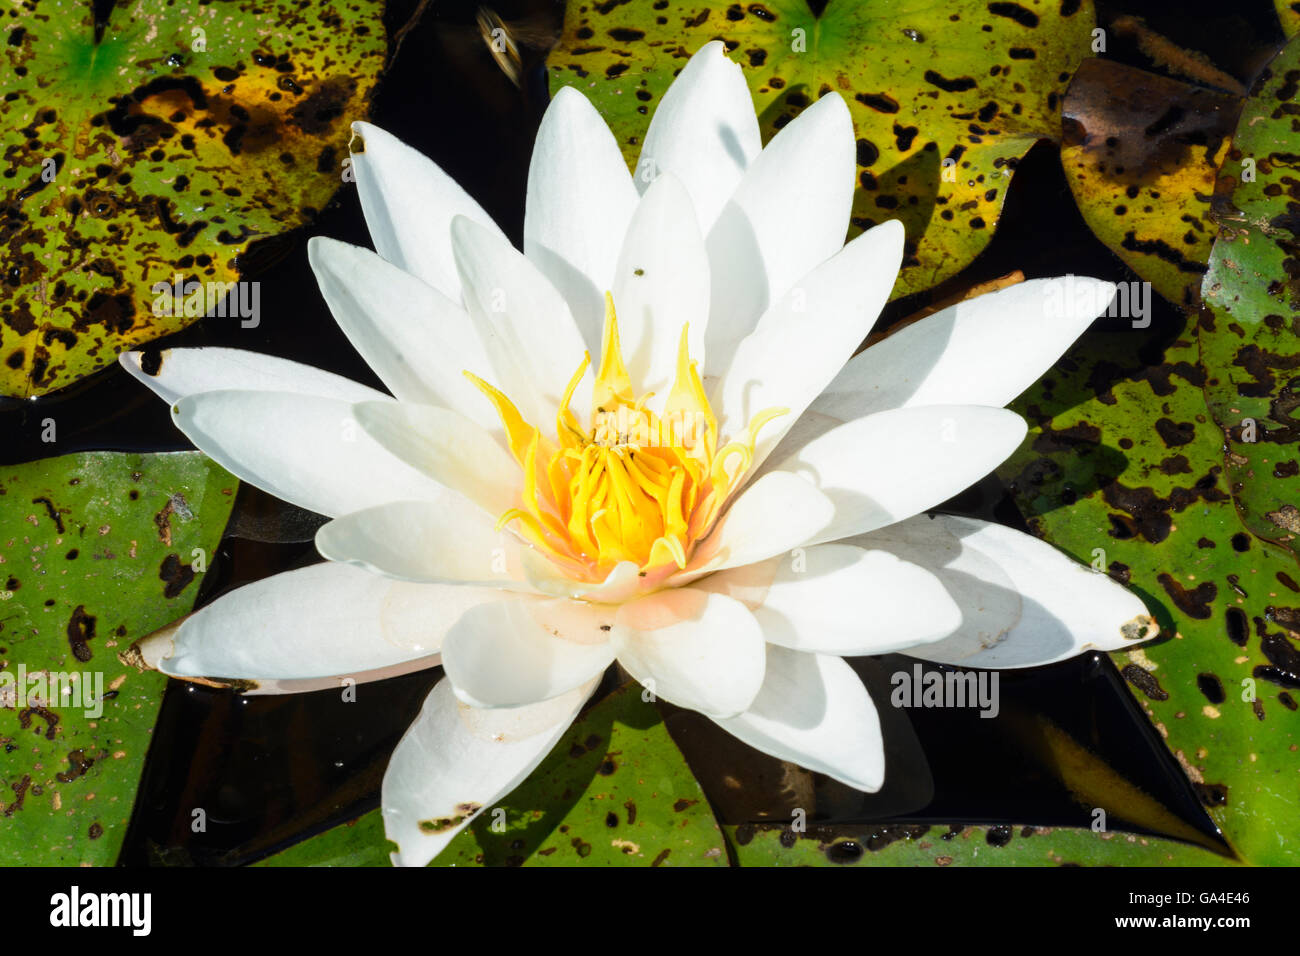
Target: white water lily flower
[{"x": 725, "y": 504}]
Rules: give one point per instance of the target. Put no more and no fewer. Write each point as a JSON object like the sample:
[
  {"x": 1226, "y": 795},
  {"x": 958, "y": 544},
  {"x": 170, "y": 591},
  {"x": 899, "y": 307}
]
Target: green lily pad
[
  {"x": 615, "y": 791},
  {"x": 957, "y": 845},
  {"x": 359, "y": 842},
  {"x": 1251, "y": 345},
  {"x": 1123, "y": 470},
  {"x": 1288, "y": 11},
  {"x": 96, "y": 551},
  {"x": 946, "y": 98},
  {"x": 1142, "y": 152},
  {"x": 156, "y": 145}
]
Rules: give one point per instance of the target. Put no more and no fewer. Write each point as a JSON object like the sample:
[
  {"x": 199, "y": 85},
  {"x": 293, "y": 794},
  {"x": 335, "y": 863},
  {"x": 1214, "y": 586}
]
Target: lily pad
[
  {"x": 157, "y": 145},
  {"x": 358, "y": 842},
  {"x": 1142, "y": 153},
  {"x": 96, "y": 550},
  {"x": 957, "y": 845},
  {"x": 1251, "y": 344},
  {"x": 1288, "y": 11},
  {"x": 1123, "y": 469},
  {"x": 615, "y": 791},
  {"x": 946, "y": 98}
]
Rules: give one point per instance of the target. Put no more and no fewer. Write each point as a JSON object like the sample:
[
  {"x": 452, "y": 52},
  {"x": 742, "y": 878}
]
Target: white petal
[
  {"x": 409, "y": 204},
  {"x": 814, "y": 711},
  {"x": 891, "y": 465},
  {"x": 182, "y": 372},
  {"x": 448, "y": 448},
  {"x": 777, "y": 512},
  {"x": 838, "y": 599},
  {"x": 306, "y": 685},
  {"x": 580, "y": 200},
  {"x": 805, "y": 339},
  {"x": 426, "y": 541},
  {"x": 415, "y": 338},
  {"x": 307, "y": 450},
  {"x": 984, "y": 351},
  {"x": 621, "y": 584},
  {"x": 1023, "y": 602},
  {"x": 704, "y": 131},
  {"x": 789, "y": 213},
  {"x": 811, "y": 424},
  {"x": 695, "y": 649},
  {"x": 520, "y": 652},
  {"x": 456, "y": 761},
  {"x": 321, "y": 621},
  {"x": 661, "y": 285},
  {"x": 531, "y": 340}
]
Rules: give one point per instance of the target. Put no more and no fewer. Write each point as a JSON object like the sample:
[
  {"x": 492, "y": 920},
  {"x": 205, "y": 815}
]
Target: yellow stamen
[
  {"x": 636, "y": 486},
  {"x": 518, "y": 432},
  {"x": 613, "y": 385},
  {"x": 567, "y": 427}
]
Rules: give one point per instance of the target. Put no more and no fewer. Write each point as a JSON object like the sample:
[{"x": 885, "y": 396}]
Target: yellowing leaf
[
  {"x": 946, "y": 98},
  {"x": 154, "y": 146},
  {"x": 1141, "y": 153}
]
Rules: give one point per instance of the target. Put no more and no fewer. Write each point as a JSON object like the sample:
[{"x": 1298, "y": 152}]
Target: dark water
[{"x": 269, "y": 769}]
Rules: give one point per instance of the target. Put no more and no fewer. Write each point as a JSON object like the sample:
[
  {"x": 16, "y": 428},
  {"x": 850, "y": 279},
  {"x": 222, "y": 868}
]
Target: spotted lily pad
[
  {"x": 1251, "y": 344},
  {"x": 1123, "y": 469},
  {"x": 946, "y": 98},
  {"x": 957, "y": 845},
  {"x": 1142, "y": 152},
  {"x": 158, "y": 145},
  {"x": 1288, "y": 11},
  {"x": 96, "y": 550},
  {"x": 615, "y": 791}
]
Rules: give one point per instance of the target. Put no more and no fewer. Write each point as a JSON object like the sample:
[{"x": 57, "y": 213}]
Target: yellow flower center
[{"x": 637, "y": 486}]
